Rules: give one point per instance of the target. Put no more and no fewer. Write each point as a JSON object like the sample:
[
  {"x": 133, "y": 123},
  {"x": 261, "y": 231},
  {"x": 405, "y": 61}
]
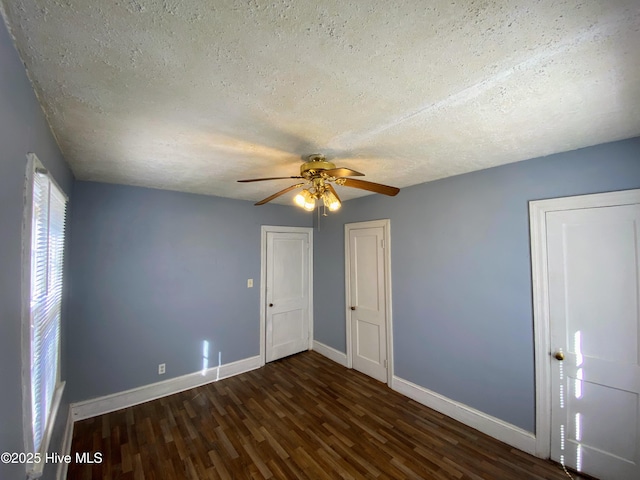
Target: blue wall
[
  {"x": 460, "y": 255},
  {"x": 154, "y": 274},
  {"x": 23, "y": 129}
]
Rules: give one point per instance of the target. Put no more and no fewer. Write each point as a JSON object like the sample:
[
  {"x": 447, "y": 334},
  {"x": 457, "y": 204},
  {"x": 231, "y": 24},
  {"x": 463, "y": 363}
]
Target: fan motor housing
[{"x": 316, "y": 163}]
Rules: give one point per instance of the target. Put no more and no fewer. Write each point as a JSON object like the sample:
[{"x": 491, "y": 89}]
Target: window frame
[{"x": 35, "y": 467}]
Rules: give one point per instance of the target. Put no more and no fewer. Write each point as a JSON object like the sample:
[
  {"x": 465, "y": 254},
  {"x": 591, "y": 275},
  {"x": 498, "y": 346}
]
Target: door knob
[
  {"x": 353, "y": 308},
  {"x": 559, "y": 356},
  {"x": 271, "y": 304}
]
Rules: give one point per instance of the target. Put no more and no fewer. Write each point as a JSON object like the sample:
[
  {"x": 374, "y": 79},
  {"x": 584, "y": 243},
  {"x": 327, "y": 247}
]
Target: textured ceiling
[{"x": 192, "y": 95}]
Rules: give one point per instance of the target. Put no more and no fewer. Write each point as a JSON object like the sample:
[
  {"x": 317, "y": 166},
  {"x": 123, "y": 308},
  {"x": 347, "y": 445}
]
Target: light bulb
[
  {"x": 305, "y": 200},
  {"x": 331, "y": 201},
  {"x": 309, "y": 204},
  {"x": 299, "y": 199}
]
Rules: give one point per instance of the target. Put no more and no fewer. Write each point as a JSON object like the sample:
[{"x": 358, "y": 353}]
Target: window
[{"x": 44, "y": 242}]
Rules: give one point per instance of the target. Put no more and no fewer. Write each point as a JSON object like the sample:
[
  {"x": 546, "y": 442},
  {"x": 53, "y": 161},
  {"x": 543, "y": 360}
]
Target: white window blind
[{"x": 43, "y": 388}]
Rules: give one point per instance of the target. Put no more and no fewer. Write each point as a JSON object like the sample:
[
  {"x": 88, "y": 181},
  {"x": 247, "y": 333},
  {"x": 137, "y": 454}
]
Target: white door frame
[
  {"x": 539, "y": 275},
  {"x": 263, "y": 281},
  {"x": 386, "y": 228}
]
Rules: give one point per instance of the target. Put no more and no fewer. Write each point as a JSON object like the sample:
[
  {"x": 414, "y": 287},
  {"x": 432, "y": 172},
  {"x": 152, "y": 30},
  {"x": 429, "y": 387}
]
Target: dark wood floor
[{"x": 300, "y": 417}]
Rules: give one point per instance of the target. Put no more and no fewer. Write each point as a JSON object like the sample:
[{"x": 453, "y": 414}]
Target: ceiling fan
[{"x": 318, "y": 175}]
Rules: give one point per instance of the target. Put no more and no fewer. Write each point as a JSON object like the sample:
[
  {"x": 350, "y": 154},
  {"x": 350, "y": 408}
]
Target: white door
[
  {"x": 287, "y": 294},
  {"x": 367, "y": 307},
  {"x": 593, "y": 272}
]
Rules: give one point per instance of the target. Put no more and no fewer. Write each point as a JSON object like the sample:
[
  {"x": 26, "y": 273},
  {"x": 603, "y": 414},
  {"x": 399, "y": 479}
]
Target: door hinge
[
  {"x": 382, "y": 243},
  {"x": 385, "y": 363}
]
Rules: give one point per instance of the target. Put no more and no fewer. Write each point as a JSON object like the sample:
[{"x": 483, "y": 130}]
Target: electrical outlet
[
  {"x": 161, "y": 369},
  {"x": 250, "y": 283}
]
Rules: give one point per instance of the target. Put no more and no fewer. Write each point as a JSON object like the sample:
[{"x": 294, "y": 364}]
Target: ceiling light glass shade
[
  {"x": 299, "y": 199},
  {"x": 305, "y": 200},
  {"x": 331, "y": 201},
  {"x": 310, "y": 205}
]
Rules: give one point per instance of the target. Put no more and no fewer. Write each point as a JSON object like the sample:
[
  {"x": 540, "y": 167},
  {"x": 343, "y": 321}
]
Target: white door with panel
[
  {"x": 594, "y": 315},
  {"x": 367, "y": 300},
  {"x": 287, "y": 294}
]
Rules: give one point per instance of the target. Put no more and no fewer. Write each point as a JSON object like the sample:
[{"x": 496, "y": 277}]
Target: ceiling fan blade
[
  {"x": 371, "y": 186},
  {"x": 342, "y": 172},
  {"x": 281, "y": 192},
  {"x": 333, "y": 190},
  {"x": 263, "y": 179}
]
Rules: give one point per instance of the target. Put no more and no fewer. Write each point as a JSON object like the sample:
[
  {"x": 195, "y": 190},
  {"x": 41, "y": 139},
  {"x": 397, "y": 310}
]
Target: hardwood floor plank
[
  {"x": 281, "y": 452},
  {"x": 257, "y": 460},
  {"x": 438, "y": 462},
  {"x": 233, "y": 453},
  {"x": 218, "y": 466},
  {"x": 296, "y": 418}
]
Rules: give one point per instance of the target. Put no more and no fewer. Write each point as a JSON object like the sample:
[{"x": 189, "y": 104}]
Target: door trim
[
  {"x": 386, "y": 228},
  {"x": 538, "y": 210},
  {"x": 264, "y": 229}
]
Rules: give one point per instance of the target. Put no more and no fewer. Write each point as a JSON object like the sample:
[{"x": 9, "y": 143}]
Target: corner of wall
[
  {"x": 331, "y": 353},
  {"x": 494, "y": 427}
]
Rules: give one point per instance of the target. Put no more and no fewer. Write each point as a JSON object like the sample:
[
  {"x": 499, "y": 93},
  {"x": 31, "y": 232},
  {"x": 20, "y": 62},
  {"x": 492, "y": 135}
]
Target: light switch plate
[{"x": 250, "y": 283}]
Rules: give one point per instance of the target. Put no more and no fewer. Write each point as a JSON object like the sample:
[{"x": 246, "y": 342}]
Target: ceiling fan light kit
[
  {"x": 319, "y": 176},
  {"x": 331, "y": 201},
  {"x": 305, "y": 200}
]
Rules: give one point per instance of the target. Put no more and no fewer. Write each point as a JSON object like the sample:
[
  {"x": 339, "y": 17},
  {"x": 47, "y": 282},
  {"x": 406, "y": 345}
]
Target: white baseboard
[
  {"x": 146, "y": 393},
  {"x": 66, "y": 447},
  {"x": 494, "y": 427},
  {"x": 330, "y": 352}
]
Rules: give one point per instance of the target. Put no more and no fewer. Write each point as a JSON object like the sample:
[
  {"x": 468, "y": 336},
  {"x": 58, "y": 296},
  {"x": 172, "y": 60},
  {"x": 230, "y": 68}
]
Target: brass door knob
[
  {"x": 559, "y": 356},
  {"x": 353, "y": 308}
]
